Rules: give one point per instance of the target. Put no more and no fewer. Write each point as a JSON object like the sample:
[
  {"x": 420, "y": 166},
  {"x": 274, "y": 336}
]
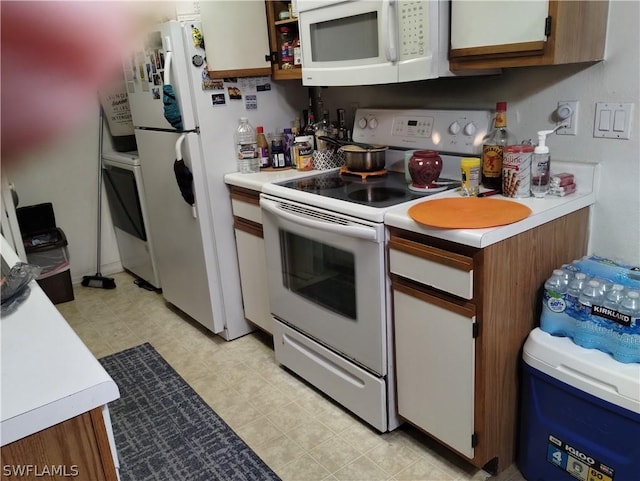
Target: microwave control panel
[{"x": 456, "y": 131}]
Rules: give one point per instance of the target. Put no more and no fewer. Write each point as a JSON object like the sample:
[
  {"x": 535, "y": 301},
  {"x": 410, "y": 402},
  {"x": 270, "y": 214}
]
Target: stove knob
[
  {"x": 470, "y": 129},
  {"x": 373, "y": 123},
  {"x": 362, "y": 123},
  {"x": 454, "y": 128}
]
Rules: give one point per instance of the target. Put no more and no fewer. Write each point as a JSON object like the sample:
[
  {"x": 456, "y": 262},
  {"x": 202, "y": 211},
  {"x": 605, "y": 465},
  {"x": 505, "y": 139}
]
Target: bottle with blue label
[{"x": 554, "y": 318}]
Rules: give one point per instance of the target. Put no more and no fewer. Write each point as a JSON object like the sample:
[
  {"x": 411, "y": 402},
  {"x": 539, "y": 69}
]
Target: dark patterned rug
[{"x": 165, "y": 431}]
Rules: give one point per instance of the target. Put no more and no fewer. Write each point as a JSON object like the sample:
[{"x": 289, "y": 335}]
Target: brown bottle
[{"x": 493, "y": 147}]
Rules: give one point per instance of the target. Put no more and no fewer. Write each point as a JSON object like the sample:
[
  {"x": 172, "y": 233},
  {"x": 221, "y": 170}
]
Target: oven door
[{"x": 326, "y": 278}]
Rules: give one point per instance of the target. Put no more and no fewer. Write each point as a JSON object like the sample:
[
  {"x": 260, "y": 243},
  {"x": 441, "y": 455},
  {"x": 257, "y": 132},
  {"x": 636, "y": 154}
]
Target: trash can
[
  {"x": 580, "y": 413},
  {"x": 46, "y": 247}
]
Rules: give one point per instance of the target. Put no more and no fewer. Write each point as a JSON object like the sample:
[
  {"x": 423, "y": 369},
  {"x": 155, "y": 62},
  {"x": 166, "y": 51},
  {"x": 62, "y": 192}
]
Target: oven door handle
[{"x": 346, "y": 230}]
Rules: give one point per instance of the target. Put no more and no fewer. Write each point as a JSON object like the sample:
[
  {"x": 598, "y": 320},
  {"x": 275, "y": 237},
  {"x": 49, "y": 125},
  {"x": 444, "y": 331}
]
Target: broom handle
[{"x": 99, "y": 242}]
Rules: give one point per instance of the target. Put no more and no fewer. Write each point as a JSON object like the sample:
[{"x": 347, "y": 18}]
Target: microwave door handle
[
  {"x": 392, "y": 37},
  {"x": 346, "y": 230}
]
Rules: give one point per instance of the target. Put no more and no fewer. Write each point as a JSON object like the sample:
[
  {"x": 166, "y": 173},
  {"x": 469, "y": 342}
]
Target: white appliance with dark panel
[
  {"x": 125, "y": 192},
  {"x": 325, "y": 242},
  {"x": 191, "y": 224}
]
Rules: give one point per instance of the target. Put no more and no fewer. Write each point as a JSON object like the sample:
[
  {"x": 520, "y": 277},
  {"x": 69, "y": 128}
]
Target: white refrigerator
[{"x": 195, "y": 244}]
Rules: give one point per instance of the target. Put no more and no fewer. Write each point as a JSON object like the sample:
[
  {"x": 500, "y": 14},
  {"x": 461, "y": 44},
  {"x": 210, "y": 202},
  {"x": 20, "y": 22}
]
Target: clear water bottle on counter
[{"x": 246, "y": 147}]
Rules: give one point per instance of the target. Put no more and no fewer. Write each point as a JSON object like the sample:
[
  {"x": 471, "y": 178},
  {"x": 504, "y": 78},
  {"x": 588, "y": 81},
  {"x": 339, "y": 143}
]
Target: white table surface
[{"x": 48, "y": 375}]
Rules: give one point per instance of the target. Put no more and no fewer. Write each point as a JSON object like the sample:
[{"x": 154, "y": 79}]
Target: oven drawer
[
  {"x": 354, "y": 388},
  {"x": 448, "y": 271}
]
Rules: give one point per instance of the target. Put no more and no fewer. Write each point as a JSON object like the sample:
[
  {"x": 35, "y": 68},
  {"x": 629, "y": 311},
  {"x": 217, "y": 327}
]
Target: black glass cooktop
[{"x": 375, "y": 191}]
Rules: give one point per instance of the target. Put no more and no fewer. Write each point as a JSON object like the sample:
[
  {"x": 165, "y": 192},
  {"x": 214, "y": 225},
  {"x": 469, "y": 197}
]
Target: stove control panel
[{"x": 452, "y": 131}]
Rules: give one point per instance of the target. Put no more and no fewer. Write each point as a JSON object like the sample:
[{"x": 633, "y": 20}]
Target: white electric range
[{"x": 326, "y": 257}]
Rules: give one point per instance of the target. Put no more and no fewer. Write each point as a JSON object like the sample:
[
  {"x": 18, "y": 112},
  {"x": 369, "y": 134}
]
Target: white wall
[
  {"x": 66, "y": 173},
  {"x": 532, "y": 94}
]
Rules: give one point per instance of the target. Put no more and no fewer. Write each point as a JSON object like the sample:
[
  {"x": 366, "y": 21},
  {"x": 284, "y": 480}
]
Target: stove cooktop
[{"x": 374, "y": 190}]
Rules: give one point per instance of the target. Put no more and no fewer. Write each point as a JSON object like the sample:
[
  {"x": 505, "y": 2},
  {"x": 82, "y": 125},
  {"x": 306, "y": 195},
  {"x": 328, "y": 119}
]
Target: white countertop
[
  {"x": 48, "y": 375},
  {"x": 257, "y": 180},
  {"x": 543, "y": 210}
]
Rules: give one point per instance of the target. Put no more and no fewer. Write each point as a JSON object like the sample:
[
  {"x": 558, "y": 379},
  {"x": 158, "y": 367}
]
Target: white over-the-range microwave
[{"x": 367, "y": 42}]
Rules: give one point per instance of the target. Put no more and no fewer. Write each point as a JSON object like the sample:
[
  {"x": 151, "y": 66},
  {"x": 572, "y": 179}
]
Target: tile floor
[{"x": 295, "y": 429}]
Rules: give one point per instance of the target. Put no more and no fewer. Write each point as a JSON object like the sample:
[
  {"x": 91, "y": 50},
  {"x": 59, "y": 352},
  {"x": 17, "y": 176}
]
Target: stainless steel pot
[{"x": 360, "y": 157}]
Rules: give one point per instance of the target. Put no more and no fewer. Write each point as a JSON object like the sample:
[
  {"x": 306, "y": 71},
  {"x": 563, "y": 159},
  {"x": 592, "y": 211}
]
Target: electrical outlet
[{"x": 567, "y": 117}]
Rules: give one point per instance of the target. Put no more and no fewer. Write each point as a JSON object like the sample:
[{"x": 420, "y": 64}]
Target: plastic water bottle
[
  {"x": 575, "y": 288},
  {"x": 246, "y": 147},
  {"x": 569, "y": 272},
  {"x": 556, "y": 285},
  {"x": 591, "y": 295},
  {"x": 630, "y": 306},
  {"x": 626, "y": 349},
  {"x": 614, "y": 296}
]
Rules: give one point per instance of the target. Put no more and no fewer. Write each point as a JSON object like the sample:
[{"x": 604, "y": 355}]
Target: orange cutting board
[{"x": 468, "y": 212}]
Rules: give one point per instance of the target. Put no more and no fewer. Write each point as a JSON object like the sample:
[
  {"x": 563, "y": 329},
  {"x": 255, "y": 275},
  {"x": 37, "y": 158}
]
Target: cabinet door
[
  {"x": 253, "y": 279},
  {"x": 493, "y": 34},
  {"x": 435, "y": 362},
  {"x": 504, "y": 26},
  {"x": 236, "y": 39}
]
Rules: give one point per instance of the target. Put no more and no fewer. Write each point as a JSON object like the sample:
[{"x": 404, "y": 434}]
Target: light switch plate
[{"x": 613, "y": 120}]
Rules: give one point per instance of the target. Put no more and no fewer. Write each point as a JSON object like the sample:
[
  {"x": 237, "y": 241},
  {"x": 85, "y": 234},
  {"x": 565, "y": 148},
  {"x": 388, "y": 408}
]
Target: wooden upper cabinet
[
  {"x": 236, "y": 38},
  {"x": 518, "y": 33}
]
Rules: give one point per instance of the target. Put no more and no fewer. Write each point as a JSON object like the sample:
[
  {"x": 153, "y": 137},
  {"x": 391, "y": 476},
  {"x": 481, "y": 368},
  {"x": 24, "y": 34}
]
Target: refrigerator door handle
[
  {"x": 179, "y": 146},
  {"x": 179, "y": 158},
  {"x": 167, "y": 61}
]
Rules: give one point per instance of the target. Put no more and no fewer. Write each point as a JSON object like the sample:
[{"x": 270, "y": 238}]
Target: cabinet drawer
[
  {"x": 444, "y": 270},
  {"x": 246, "y": 210}
]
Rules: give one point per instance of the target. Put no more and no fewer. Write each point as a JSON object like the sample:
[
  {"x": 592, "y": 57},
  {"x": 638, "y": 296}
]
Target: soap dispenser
[{"x": 540, "y": 166}]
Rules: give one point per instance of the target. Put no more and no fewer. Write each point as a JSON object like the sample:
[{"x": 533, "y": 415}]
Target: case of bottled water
[{"x": 596, "y": 302}]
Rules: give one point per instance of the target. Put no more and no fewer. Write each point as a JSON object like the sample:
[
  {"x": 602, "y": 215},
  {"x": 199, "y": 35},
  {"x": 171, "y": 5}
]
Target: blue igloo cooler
[{"x": 580, "y": 413}]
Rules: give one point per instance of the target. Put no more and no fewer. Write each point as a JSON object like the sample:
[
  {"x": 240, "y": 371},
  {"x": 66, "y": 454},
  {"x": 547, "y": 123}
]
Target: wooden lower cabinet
[
  {"x": 458, "y": 359},
  {"x": 74, "y": 449}
]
